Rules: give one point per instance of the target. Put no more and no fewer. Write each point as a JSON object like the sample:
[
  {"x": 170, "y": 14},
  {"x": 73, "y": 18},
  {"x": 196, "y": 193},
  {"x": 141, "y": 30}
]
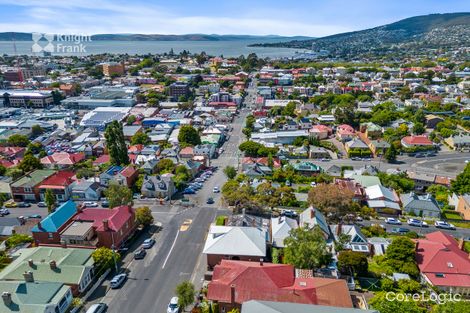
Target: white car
[
  {"x": 392, "y": 221},
  {"x": 416, "y": 222},
  {"x": 444, "y": 225},
  {"x": 117, "y": 280},
  {"x": 173, "y": 306},
  {"x": 90, "y": 204},
  {"x": 313, "y": 184},
  {"x": 216, "y": 190}
]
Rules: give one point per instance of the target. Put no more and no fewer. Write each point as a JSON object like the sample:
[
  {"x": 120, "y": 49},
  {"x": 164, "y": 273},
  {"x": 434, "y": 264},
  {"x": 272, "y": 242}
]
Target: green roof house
[
  {"x": 26, "y": 188},
  {"x": 307, "y": 168}
]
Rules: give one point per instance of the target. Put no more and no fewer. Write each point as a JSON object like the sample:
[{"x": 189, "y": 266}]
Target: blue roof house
[{"x": 48, "y": 230}]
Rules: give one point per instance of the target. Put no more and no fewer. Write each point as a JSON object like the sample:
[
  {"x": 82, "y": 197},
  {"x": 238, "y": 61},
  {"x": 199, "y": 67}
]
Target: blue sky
[{"x": 256, "y": 17}]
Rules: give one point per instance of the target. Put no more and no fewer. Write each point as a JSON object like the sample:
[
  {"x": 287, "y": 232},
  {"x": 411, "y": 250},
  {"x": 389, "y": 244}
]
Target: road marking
[{"x": 171, "y": 249}]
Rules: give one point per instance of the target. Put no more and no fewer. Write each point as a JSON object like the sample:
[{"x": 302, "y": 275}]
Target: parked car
[
  {"x": 417, "y": 223},
  {"x": 105, "y": 204},
  {"x": 289, "y": 213},
  {"x": 97, "y": 308},
  {"x": 10, "y": 204},
  {"x": 42, "y": 204},
  {"x": 173, "y": 306},
  {"x": 400, "y": 230},
  {"x": 139, "y": 254},
  {"x": 117, "y": 280},
  {"x": 392, "y": 221},
  {"x": 216, "y": 189},
  {"x": 148, "y": 243},
  {"x": 4, "y": 212},
  {"x": 189, "y": 191},
  {"x": 90, "y": 204},
  {"x": 35, "y": 216},
  {"x": 313, "y": 184},
  {"x": 420, "y": 155},
  {"x": 210, "y": 201},
  {"x": 444, "y": 225},
  {"x": 23, "y": 204}
]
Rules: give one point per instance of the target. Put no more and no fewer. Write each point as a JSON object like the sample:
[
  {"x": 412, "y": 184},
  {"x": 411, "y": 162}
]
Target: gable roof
[
  {"x": 378, "y": 191},
  {"x": 280, "y": 228},
  {"x": 234, "y": 240},
  {"x": 33, "y": 178},
  {"x": 116, "y": 217},
  {"x": 421, "y": 202},
  {"x": 58, "y": 179},
  {"x": 63, "y": 158},
  {"x": 255, "y": 306},
  {"x": 56, "y": 219}
]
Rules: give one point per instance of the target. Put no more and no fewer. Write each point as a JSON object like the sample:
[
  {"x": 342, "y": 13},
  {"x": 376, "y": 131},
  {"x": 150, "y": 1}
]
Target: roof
[
  {"x": 102, "y": 159},
  {"x": 421, "y": 140},
  {"x": 32, "y": 297},
  {"x": 421, "y": 202},
  {"x": 116, "y": 217},
  {"x": 274, "y": 282},
  {"x": 280, "y": 228},
  {"x": 366, "y": 180},
  {"x": 70, "y": 262},
  {"x": 314, "y": 217},
  {"x": 61, "y": 178},
  {"x": 56, "y": 219},
  {"x": 33, "y": 178},
  {"x": 378, "y": 191},
  {"x": 439, "y": 258},
  {"x": 234, "y": 240},
  {"x": 63, "y": 158},
  {"x": 254, "y": 306}
]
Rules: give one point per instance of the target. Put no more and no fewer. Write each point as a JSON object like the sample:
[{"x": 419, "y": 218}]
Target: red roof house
[
  {"x": 443, "y": 263},
  {"x": 62, "y": 159},
  {"x": 100, "y": 227},
  {"x": 345, "y": 132},
  {"x": 416, "y": 141},
  {"x": 320, "y": 131},
  {"x": 11, "y": 153},
  {"x": 235, "y": 282},
  {"x": 101, "y": 159},
  {"x": 135, "y": 149},
  {"x": 59, "y": 183}
]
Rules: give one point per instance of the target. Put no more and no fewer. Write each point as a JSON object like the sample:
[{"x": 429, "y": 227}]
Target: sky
[{"x": 252, "y": 17}]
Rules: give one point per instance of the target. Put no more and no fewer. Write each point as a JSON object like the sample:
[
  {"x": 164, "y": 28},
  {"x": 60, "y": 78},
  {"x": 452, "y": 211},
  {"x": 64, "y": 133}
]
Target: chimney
[
  {"x": 63, "y": 243},
  {"x": 232, "y": 293},
  {"x": 53, "y": 265},
  {"x": 6, "y": 296},
  {"x": 338, "y": 229},
  {"x": 312, "y": 213},
  {"x": 461, "y": 244},
  {"x": 30, "y": 262},
  {"x": 261, "y": 262},
  {"x": 28, "y": 277},
  {"x": 106, "y": 225}
]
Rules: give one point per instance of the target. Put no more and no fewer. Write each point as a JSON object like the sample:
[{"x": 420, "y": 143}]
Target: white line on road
[{"x": 171, "y": 249}]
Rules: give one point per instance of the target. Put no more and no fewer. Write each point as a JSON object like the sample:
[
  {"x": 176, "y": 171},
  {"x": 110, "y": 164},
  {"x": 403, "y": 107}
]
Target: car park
[
  {"x": 97, "y": 308},
  {"x": 392, "y": 221},
  {"x": 173, "y": 306},
  {"x": 118, "y": 280},
  {"x": 139, "y": 254},
  {"x": 444, "y": 225},
  {"x": 148, "y": 243},
  {"x": 416, "y": 222}
]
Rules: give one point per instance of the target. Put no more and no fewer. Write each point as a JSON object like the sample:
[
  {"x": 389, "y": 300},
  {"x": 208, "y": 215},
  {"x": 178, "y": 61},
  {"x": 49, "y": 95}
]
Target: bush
[
  {"x": 220, "y": 220},
  {"x": 17, "y": 239},
  {"x": 409, "y": 286},
  {"x": 387, "y": 284}
]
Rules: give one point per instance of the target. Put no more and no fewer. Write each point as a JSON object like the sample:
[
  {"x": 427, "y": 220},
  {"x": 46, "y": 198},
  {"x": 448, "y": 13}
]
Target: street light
[{"x": 114, "y": 252}]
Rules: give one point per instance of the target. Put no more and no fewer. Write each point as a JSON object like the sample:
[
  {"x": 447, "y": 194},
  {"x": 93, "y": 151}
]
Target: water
[{"x": 216, "y": 48}]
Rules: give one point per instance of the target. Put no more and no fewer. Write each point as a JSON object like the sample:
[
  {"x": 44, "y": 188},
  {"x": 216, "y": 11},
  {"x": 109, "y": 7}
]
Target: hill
[{"x": 427, "y": 31}]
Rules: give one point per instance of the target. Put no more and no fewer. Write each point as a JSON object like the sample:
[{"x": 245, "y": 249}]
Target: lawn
[
  {"x": 220, "y": 220},
  {"x": 452, "y": 215}
]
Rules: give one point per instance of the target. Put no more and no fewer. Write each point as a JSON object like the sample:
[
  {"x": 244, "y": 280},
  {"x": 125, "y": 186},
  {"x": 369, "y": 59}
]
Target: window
[
  {"x": 28, "y": 189},
  {"x": 440, "y": 275},
  {"x": 50, "y": 235}
]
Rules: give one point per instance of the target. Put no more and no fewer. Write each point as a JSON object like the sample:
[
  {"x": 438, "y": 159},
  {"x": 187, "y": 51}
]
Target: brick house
[
  {"x": 59, "y": 183},
  {"x": 124, "y": 176},
  {"x": 26, "y": 188}
]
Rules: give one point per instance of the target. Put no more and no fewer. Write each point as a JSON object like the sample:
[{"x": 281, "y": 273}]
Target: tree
[
  {"x": 289, "y": 109},
  {"x": 143, "y": 216},
  {"x": 49, "y": 198},
  {"x": 18, "y": 140},
  {"x": 331, "y": 200},
  {"x": 306, "y": 248},
  {"x": 418, "y": 128},
  {"x": 131, "y": 119},
  {"x": 185, "y": 293},
  {"x": 380, "y": 303},
  {"x": 354, "y": 261},
  {"x": 451, "y": 307},
  {"x": 36, "y": 130},
  {"x": 400, "y": 256},
  {"x": 105, "y": 258},
  {"x": 461, "y": 185},
  {"x": 116, "y": 144},
  {"x": 188, "y": 136},
  {"x": 391, "y": 154},
  {"x": 230, "y": 172},
  {"x": 164, "y": 166},
  {"x": 29, "y": 163},
  {"x": 118, "y": 195},
  {"x": 140, "y": 138},
  {"x": 3, "y": 170}
]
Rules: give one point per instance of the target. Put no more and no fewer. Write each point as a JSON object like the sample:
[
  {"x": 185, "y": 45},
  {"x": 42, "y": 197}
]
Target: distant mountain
[
  {"x": 432, "y": 31},
  {"x": 10, "y": 36}
]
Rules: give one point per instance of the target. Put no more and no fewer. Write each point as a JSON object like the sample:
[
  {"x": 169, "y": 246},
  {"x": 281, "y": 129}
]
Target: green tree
[
  {"x": 140, "y": 138},
  {"x": 418, "y": 128},
  {"x": 29, "y": 163},
  {"x": 3, "y": 170},
  {"x": 185, "y": 293},
  {"x": 116, "y": 144},
  {"x": 400, "y": 256},
  {"x": 188, "y": 136},
  {"x": 461, "y": 185},
  {"x": 105, "y": 258},
  {"x": 332, "y": 200},
  {"x": 230, "y": 172},
  {"x": 143, "y": 216},
  {"x": 409, "y": 286},
  {"x": 49, "y": 198},
  {"x": 306, "y": 248},
  {"x": 289, "y": 109},
  {"x": 131, "y": 119},
  {"x": 391, "y": 154},
  {"x": 36, "y": 130},
  {"x": 18, "y": 140},
  {"x": 164, "y": 166},
  {"x": 118, "y": 195},
  {"x": 451, "y": 307},
  {"x": 380, "y": 303},
  {"x": 354, "y": 261}
]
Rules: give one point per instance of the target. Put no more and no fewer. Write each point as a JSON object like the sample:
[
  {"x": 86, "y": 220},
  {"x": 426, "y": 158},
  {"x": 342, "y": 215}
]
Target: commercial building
[
  {"x": 26, "y": 98},
  {"x": 113, "y": 68}
]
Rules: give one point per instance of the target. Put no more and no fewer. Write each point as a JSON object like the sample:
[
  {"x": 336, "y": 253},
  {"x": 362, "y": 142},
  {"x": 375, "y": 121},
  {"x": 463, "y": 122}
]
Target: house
[
  {"x": 318, "y": 153},
  {"x": 357, "y": 241},
  {"x": 35, "y": 297},
  {"x": 95, "y": 227},
  {"x": 102, "y": 159},
  {"x": 463, "y": 206},
  {"x": 124, "y": 176},
  {"x": 62, "y": 159},
  {"x": 421, "y": 205},
  {"x": 207, "y": 150},
  {"x": 255, "y": 306},
  {"x": 26, "y": 188},
  {"x": 130, "y": 130},
  {"x": 443, "y": 263},
  {"x": 459, "y": 142},
  {"x": 334, "y": 170},
  {"x": 320, "y": 132},
  {"x": 312, "y": 217},
  {"x": 135, "y": 149},
  {"x": 290, "y": 125},
  {"x": 378, "y": 147},
  {"x": 357, "y": 147},
  {"x": 371, "y": 130},
  {"x": 305, "y": 123},
  {"x": 68, "y": 266},
  {"x": 59, "y": 183},
  {"x": 159, "y": 186},
  {"x": 378, "y": 245},
  {"x": 151, "y": 150},
  {"x": 236, "y": 243},
  {"x": 11, "y": 153},
  {"x": 187, "y": 153},
  {"x": 257, "y": 170},
  {"x": 307, "y": 168},
  {"x": 383, "y": 199},
  {"x": 345, "y": 132},
  {"x": 352, "y": 186},
  {"x": 280, "y": 228},
  {"x": 416, "y": 141},
  {"x": 235, "y": 282},
  {"x": 432, "y": 120},
  {"x": 247, "y": 161},
  {"x": 422, "y": 180},
  {"x": 84, "y": 190},
  {"x": 47, "y": 231}
]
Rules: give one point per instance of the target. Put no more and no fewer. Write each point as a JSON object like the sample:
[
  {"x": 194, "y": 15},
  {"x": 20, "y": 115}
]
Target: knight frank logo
[{"x": 59, "y": 43}]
